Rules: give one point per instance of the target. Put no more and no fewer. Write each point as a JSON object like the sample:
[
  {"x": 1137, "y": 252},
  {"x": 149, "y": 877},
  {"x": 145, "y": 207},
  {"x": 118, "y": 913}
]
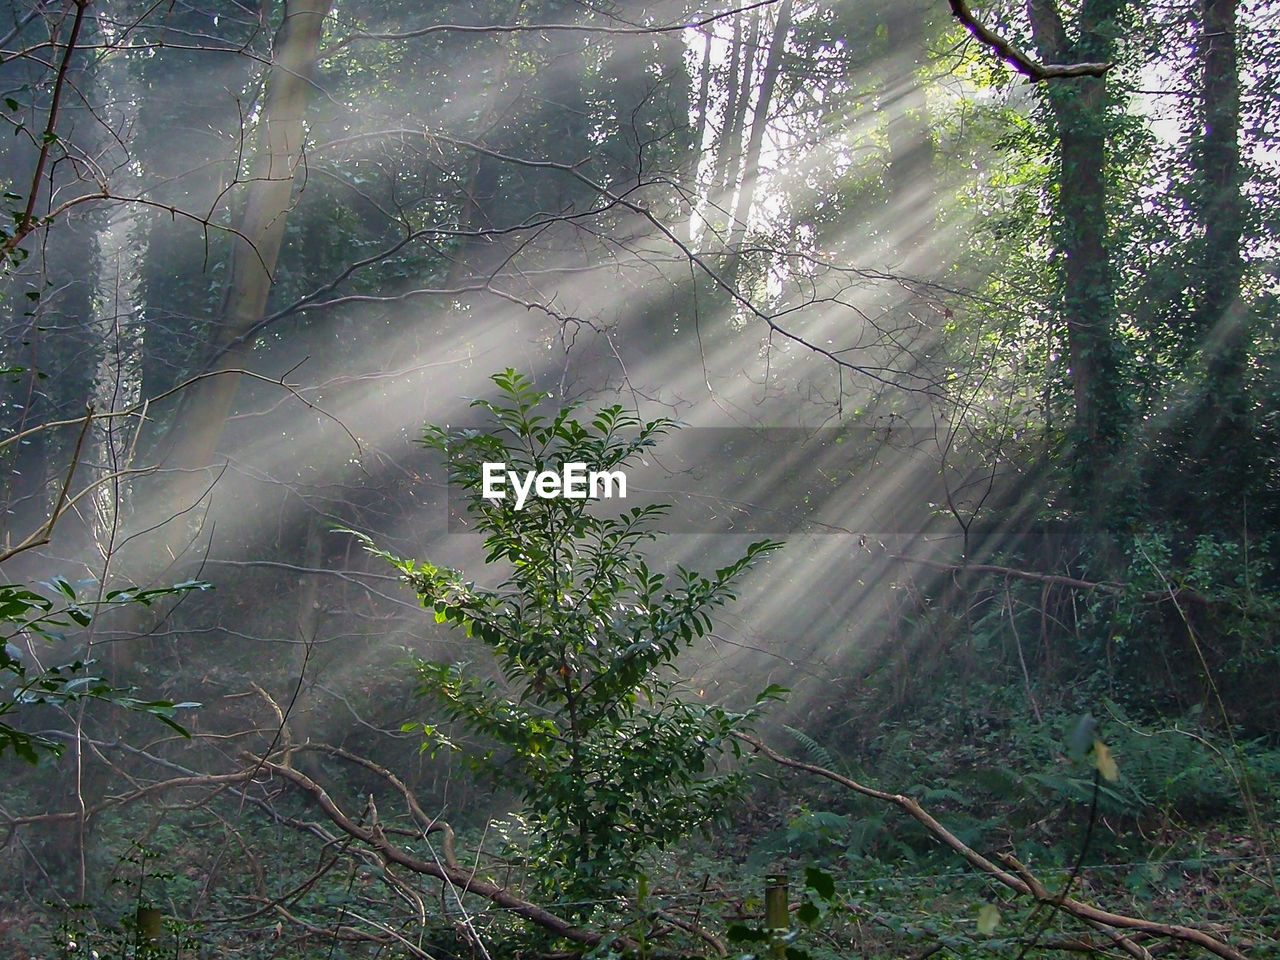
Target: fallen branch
[
  {"x": 462, "y": 878},
  {"x": 1013, "y": 874},
  {"x": 430, "y": 825}
]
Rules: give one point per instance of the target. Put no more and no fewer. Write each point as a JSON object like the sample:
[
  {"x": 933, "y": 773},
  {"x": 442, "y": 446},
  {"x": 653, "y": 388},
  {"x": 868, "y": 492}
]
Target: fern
[{"x": 815, "y": 751}]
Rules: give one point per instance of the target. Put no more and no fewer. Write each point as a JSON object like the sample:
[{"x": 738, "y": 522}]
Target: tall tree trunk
[
  {"x": 704, "y": 95},
  {"x": 256, "y": 246},
  {"x": 755, "y": 141},
  {"x": 735, "y": 91},
  {"x": 1080, "y": 107},
  {"x": 117, "y": 314},
  {"x": 1222, "y": 206},
  {"x": 480, "y": 196},
  {"x": 732, "y": 146},
  {"x": 909, "y": 178},
  {"x": 701, "y": 126},
  {"x": 1221, "y": 315}
]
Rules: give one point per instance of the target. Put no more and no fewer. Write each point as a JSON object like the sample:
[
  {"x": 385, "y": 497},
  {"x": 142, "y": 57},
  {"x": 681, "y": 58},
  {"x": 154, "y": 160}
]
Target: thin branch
[
  {"x": 555, "y": 27},
  {"x": 26, "y": 222},
  {"x": 42, "y": 536},
  {"x": 104, "y": 193},
  {"x": 1050, "y": 578},
  {"x": 690, "y": 927},
  {"x": 1057, "y": 580},
  {"x": 142, "y": 405},
  {"x": 22, "y": 23}
]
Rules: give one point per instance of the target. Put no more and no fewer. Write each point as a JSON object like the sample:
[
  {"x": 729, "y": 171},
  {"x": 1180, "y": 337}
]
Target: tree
[
  {"x": 1081, "y": 109},
  {"x": 257, "y": 239},
  {"x": 610, "y": 755}
]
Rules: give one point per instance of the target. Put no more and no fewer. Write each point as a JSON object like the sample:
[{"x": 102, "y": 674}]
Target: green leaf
[
  {"x": 740, "y": 933},
  {"x": 774, "y": 691},
  {"x": 171, "y": 723},
  {"x": 820, "y": 882}
]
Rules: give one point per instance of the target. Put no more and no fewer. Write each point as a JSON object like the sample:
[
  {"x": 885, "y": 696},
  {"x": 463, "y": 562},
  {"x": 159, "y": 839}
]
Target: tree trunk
[
  {"x": 755, "y": 142},
  {"x": 255, "y": 248},
  {"x": 117, "y": 317},
  {"x": 736, "y": 83},
  {"x": 1080, "y": 108},
  {"x": 732, "y": 147},
  {"x": 1088, "y": 294},
  {"x": 1221, "y": 319},
  {"x": 909, "y": 178},
  {"x": 1222, "y": 206}
]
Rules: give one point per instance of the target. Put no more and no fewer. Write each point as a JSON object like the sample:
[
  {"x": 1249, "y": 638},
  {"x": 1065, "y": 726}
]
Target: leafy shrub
[
  {"x": 591, "y": 725},
  {"x": 25, "y": 612}
]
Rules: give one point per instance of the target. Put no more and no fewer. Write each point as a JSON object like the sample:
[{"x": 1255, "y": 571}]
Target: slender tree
[
  {"x": 1080, "y": 108},
  {"x": 1221, "y": 315},
  {"x": 755, "y": 141},
  {"x": 256, "y": 243}
]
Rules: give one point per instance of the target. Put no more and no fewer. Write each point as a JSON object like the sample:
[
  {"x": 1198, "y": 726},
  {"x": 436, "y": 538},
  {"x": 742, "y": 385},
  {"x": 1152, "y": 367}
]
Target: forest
[{"x": 600, "y": 479}]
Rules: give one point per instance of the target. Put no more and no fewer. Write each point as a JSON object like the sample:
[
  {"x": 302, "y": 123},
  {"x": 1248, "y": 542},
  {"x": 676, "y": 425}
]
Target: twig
[
  {"x": 22, "y": 22},
  {"x": 690, "y": 927},
  {"x": 141, "y": 406},
  {"x": 26, "y": 222},
  {"x": 556, "y": 27},
  {"x": 42, "y": 536},
  {"x": 1170, "y": 595}
]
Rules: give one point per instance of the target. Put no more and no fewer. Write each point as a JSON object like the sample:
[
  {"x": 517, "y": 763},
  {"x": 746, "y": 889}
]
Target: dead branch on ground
[{"x": 1014, "y": 875}]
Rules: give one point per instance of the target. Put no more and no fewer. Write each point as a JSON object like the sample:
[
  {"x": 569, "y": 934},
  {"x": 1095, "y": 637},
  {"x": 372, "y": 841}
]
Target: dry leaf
[{"x": 1105, "y": 763}]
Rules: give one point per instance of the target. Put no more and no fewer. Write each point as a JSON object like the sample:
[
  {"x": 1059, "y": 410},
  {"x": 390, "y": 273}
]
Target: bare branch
[
  {"x": 556, "y": 27},
  {"x": 21, "y": 25},
  {"x": 1049, "y": 578},
  {"x": 138, "y": 408},
  {"x": 1016, "y": 58},
  {"x": 1074, "y": 583},
  {"x": 430, "y": 825},
  {"x": 45, "y": 533},
  {"x": 459, "y": 877},
  {"x": 26, "y": 220}
]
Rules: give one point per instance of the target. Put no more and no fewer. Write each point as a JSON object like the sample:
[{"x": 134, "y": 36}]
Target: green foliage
[
  {"x": 591, "y": 724},
  {"x": 27, "y": 612},
  {"x": 1195, "y": 632}
]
